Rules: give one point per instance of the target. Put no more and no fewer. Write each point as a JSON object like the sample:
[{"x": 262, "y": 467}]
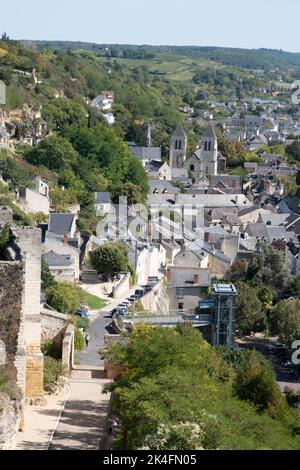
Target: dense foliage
[{"x": 178, "y": 393}]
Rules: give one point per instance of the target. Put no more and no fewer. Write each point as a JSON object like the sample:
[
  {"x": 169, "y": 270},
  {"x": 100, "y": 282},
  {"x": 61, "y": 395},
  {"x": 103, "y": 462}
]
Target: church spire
[{"x": 149, "y": 137}]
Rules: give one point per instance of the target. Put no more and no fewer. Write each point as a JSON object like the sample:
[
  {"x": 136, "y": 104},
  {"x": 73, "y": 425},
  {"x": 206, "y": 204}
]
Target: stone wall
[
  {"x": 122, "y": 288},
  {"x": 28, "y": 240},
  {"x": 12, "y": 348},
  {"x": 6, "y": 216},
  {"x": 157, "y": 300},
  {"x": 54, "y": 325},
  {"x": 68, "y": 350},
  {"x": 11, "y": 321},
  {"x": 11, "y": 417}
]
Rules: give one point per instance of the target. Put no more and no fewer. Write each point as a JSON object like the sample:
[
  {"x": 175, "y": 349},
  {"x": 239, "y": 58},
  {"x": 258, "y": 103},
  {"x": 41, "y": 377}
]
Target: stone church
[{"x": 205, "y": 162}]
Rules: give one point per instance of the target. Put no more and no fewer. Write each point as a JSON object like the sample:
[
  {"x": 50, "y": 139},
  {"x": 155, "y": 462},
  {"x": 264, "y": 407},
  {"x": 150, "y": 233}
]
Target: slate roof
[
  {"x": 147, "y": 153},
  {"x": 179, "y": 132},
  {"x": 274, "y": 219},
  {"x": 54, "y": 259},
  {"x": 102, "y": 198},
  {"x": 248, "y": 210},
  {"x": 209, "y": 132},
  {"x": 163, "y": 187},
  {"x": 154, "y": 165},
  {"x": 293, "y": 223},
  {"x": 228, "y": 180},
  {"x": 60, "y": 224}
]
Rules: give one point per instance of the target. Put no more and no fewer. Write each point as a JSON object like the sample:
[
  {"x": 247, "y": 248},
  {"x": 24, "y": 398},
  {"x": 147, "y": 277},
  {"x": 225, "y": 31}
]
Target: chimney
[
  {"x": 206, "y": 237},
  {"x": 169, "y": 274},
  {"x": 66, "y": 239},
  {"x": 196, "y": 279}
]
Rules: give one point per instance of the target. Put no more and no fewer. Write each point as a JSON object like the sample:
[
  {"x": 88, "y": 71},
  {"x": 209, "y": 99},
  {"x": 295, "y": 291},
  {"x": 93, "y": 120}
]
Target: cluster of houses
[
  {"x": 22, "y": 126},
  {"x": 198, "y": 233},
  {"x": 104, "y": 103},
  {"x": 202, "y": 219}
]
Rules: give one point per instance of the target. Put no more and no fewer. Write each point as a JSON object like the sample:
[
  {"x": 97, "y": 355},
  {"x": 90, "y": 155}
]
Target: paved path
[
  {"x": 83, "y": 424},
  {"x": 40, "y": 422}
]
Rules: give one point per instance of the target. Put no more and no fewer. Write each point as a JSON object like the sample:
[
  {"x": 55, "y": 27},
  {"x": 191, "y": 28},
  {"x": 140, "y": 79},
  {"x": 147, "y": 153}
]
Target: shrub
[
  {"x": 82, "y": 323},
  {"x": 53, "y": 374},
  {"x": 7, "y": 385},
  {"x": 63, "y": 297},
  {"x": 78, "y": 340},
  {"x": 256, "y": 382},
  {"x": 52, "y": 349}
]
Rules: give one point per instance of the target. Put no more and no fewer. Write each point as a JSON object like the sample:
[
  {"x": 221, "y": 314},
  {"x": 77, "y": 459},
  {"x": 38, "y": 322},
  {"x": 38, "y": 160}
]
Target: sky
[{"x": 228, "y": 23}]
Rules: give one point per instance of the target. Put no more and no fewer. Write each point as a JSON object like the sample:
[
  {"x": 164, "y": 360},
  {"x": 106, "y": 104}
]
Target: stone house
[
  {"x": 186, "y": 286},
  {"x": 61, "y": 267},
  {"x": 103, "y": 203},
  {"x": 31, "y": 201}
]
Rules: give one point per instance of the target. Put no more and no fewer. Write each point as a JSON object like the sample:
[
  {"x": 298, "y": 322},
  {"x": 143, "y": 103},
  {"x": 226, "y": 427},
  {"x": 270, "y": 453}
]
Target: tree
[
  {"x": 56, "y": 153},
  {"x": 46, "y": 276},
  {"x": 63, "y": 297},
  {"x": 137, "y": 175},
  {"x": 238, "y": 271},
  {"x": 294, "y": 150},
  {"x": 61, "y": 113},
  {"x": 268, "y": 268},
  {"x": 110, "y": 258},
  {"x": 5, "y": 37},
  {"x": 5, "y": 238},
  {"x": 285, "y": 321},
  {"x": 101, "y": 146},
  {"x": 131, "y": 191},
  {"x": 256, "y": 382},
  {"x": 249, "y": 315}
]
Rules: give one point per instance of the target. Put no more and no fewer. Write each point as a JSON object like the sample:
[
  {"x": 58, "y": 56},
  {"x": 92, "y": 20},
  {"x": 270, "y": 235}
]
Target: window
[
  {"x": 209, "y": 146},
  {"x": 180, "y": 306},
  {"x": 192, "y": 167},
  {"x": 179, "y": 293},
  {"x": 176, "y": 144},
  {"x": 179, "y": 145},
  {"x": 205, "y": 146}
]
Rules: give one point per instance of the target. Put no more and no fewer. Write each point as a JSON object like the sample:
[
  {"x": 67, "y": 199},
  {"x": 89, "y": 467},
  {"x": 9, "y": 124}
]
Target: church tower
[
  {"x": 210, "y": 152},
  {"x": 178, "y": 148}
]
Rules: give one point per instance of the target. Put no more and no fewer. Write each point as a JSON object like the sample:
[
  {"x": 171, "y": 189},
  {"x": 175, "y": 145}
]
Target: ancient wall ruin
[{"x": 11, "y": 321}]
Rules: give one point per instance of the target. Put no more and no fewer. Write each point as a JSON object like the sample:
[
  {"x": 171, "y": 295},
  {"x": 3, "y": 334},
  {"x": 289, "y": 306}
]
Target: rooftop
[
  {"x": 61, "y": 223},
  {"x": 54, "y": 259},
  {"x": 224, "y": 289}
]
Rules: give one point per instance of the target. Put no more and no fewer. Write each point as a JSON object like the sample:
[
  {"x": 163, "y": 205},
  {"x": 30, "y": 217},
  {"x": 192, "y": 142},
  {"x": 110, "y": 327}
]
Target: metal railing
[{"x": 195, "y": 320}]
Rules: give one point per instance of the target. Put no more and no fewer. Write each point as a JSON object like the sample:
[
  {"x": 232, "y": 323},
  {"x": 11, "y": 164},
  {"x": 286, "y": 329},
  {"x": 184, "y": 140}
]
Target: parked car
[
  {"x": 139, "y": 293},
  {"x": 113, "y": 312},
  {"x": 122, "y": 311},
  {"x": 82, "y": 312},
  {"x": 116, "y": 277},
  {"x": 134, "y": 298},
  {"x": 148, "y": 287},
  {"x": 103, "y": 277}
]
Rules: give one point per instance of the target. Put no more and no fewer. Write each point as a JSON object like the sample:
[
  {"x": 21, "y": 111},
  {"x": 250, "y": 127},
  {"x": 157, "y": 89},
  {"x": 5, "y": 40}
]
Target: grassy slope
[{"x": 93, "y": 302}]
